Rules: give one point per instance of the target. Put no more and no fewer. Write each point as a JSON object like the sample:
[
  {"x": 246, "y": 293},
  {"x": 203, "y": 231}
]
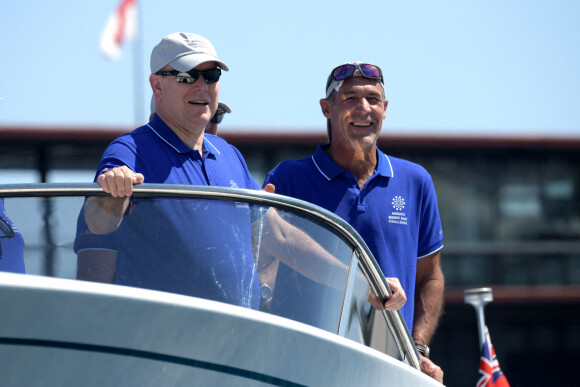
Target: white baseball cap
[{"x": 183, "y": 51}]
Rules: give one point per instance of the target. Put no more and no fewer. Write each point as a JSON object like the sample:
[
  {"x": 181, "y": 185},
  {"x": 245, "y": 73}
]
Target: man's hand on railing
[
  {"x": 119, "y": 181},
  {"x": 395, "y": 302},
  {"x": 104, "y": 214}
]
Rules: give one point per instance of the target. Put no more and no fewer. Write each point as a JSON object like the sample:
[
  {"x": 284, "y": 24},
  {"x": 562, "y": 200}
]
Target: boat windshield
[{"x": 244, "y": 248}]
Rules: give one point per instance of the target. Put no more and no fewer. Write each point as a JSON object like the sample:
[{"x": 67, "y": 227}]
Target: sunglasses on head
[
  {"x": 366, "y": 69},
  {"x": 209, "y": 76},
  {"x": 218, "y": 116}
]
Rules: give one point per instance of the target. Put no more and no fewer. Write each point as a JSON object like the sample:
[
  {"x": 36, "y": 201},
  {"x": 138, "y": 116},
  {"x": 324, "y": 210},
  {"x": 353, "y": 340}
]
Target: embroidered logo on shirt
[
  {"x": 398, "y": 203},
  {"x": 397, "y": 216},
  {"x": 233, "y": 184}
]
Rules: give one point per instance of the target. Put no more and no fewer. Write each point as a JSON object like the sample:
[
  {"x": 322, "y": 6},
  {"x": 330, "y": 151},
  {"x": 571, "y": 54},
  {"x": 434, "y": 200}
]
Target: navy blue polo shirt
[
  {"x": 395, "y": 212},
  {"x": 200, "y": 248}
]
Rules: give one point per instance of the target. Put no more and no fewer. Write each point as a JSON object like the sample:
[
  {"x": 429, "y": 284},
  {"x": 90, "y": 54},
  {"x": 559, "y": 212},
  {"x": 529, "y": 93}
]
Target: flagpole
[
  {"x": 137, "y": 69},
  {"x": 478, "y": 298},
  {"x": 489, "y": 372}
]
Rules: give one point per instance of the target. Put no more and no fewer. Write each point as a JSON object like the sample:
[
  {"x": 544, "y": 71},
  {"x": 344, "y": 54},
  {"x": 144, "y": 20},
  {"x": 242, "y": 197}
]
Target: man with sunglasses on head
[{"x": 391, "y": 202}]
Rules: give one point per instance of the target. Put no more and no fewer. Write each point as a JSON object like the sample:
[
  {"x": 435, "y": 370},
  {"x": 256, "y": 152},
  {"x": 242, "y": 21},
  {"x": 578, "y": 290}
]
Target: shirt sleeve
[
  {"x": 431, "y": 231},
  {"x": 86, "y": 240},
  {"x": 272, "y": 178}
]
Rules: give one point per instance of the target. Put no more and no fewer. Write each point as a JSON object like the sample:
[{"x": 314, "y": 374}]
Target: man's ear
[
  {"x": 325, "y": 106},
  {"x": 155, "y": 82},
  {"x": 385, "y": 113}
]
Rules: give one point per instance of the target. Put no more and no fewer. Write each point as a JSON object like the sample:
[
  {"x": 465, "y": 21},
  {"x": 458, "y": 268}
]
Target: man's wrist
[{"x": 423, "y": 349}]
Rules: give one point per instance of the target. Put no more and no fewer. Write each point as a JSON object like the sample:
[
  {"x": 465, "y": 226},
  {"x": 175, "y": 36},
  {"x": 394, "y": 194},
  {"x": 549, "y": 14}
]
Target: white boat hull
[{"x": 57, "y": 332}]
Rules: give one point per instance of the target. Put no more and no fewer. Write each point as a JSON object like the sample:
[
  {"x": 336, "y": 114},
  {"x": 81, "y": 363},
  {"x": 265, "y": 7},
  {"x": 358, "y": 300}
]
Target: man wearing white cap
[
  {"x": 172, "y": 149},
  {"x": 185, "y": 73}
]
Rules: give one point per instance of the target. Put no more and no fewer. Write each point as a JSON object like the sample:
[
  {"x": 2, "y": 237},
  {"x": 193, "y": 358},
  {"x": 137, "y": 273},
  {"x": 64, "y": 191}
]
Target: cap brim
[{"x": 191, "y": 61}]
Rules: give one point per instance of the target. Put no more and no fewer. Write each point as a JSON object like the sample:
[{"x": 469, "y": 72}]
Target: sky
[{"x": 482, "y": 68}]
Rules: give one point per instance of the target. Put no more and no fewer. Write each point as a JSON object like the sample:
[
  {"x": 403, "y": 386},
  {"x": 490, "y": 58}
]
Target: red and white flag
[
  {"x": 121, "y": 26},
  {"x": 490, "y": 374}
]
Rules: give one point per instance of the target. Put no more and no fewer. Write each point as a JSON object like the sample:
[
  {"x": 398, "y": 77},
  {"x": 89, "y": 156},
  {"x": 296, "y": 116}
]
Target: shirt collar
[
  {"x": 385, "y": 168},
  {"x": 167, "y": 135},
  {"x": 329, "y": 169}
]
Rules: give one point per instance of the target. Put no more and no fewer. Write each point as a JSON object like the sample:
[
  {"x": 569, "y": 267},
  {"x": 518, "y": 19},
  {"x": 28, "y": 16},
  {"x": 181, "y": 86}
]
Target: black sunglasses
[
  {"x": 6, "y": 231},
  {"x": 218, "y": 117},
  {"x": 209, "y": 76}
]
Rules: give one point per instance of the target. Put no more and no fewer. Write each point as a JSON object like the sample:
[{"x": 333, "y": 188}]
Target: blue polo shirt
[
  {"x": 200, "y": 248},
  {"x": 395, "y": 212},
  {"x": 12, "y": 258}
]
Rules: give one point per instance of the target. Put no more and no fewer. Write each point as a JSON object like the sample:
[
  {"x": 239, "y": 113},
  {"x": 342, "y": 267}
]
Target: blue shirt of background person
[{"x": 11, "y": 244}]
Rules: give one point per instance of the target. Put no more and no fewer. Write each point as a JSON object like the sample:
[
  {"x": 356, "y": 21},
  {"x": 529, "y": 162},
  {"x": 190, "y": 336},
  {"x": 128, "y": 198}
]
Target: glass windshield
[{"x": 240, "y": 252}]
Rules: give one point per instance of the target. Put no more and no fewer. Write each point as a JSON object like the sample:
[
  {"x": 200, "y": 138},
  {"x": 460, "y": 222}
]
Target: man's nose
[{"x": 364, "y": 105}]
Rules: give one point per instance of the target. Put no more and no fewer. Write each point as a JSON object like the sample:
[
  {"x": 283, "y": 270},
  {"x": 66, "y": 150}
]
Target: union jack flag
[{"x": 490, "y": 374}]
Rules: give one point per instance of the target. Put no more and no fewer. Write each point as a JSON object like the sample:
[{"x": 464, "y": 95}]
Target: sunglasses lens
[
  {"x": 344, "y": 72},
  {"x": 186, "y": 77},
  {"x": 212, "y": 76},
  {"x": 369, "y": 70}
]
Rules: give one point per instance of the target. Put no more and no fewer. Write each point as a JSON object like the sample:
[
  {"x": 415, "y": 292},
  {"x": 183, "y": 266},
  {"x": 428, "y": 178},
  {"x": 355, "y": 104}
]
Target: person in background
[
  {"x": 391, "y": 202},
  {"x": 11, "y": 244},
  {"x": 217, "y": 118},
  {"x": 212, "y": 125}
]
